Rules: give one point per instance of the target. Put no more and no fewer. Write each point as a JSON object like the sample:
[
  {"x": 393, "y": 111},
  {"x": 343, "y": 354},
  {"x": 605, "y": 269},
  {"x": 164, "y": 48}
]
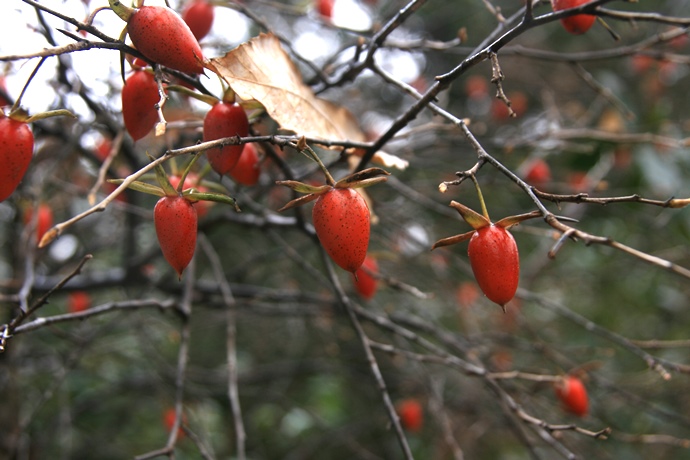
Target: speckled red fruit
[
  {"x": 225, "y": 120},
  {"x": 577, "y": 24},
  {"x": 139, "y": 98},
  {"x": 366, "y": 284},
  {"x": 341, "y": 220},
  {"x": 248, "y": 167},
  {"x": 411, "y": 414},
  {"x": 16, "y": 150},
  {"x": 161, "y": 35},
  {"x": 199, "y": 16},
  {"x": 495, "y": 263},
  {"x": 573, "y": 394},
  {"x": 175, "y": 220}
]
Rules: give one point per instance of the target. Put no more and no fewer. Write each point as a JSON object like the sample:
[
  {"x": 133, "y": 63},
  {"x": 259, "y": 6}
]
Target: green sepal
[
  {"x": 186, "y": 171},
  {"x": 229, "y": 96},
  {"x": 509, "y": 221},
  {"x": 216, "y": 197},
  {"x": 49, "y": 114},
  {"x": 363, "y": 178},
  {"x": 210, "y": 100},
  {"x": 470, "y": 216},
  {"x": 300, "y": 201},
  {"x": 139, "y": 186},
  {"x": 453, "y": 240},
  {"x": 301, "y": 187},
  {"x": 123, "y": 11},
  {"x": 162, "y": 178}
]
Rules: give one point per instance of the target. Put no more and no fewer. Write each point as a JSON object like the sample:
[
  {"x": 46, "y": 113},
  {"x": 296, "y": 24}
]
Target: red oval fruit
[
  {"x": 161, "y": 35},
  {"x": 16, "y": 150},
  {"x": 139, "y": 99},
  {"x": 78, "y": 301},
  {"x": 44, "y": 219},
  {"x": 199, "y": 16},
  {"x": 495, "y": 262},
  {"x": 365, "y": 283},
  {"x": 248, "y": 167},
  {"x": 225, "y": 120},
  {"x": 175, "y": 220},
  {"x": 573, "y": 394},
  {"x": 577, "y": 24},
  {"x": 341, "y": 220},
  {"x": 411, "y": 414}
]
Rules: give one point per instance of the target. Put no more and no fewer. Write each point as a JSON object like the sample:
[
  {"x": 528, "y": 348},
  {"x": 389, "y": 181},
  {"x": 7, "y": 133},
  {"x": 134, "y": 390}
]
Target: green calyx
[
  {"x": 365, "y": 178},
  {"x": 478, "y": 221},
  {"x": 123, "y": 11}
]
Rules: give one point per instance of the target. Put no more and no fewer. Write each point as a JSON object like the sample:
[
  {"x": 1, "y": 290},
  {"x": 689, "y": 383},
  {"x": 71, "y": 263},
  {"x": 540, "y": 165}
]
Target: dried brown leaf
[{"x": 260, "y": 69}]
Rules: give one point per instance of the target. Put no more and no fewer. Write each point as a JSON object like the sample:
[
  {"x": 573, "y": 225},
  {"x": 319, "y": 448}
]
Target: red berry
[
  {"x": 44, "y": 219},
  {"x": 225, "y": 120},
  {"x": 341, "y": 220},
  {"x": 476, "y": 87},
  {"x": 248, "y": 167},
  {"x": 199, "y": 17},
  {"x": 538, "y": 172},
  {"x": 175, "y": 220},
  {"x": 161, "y": 35},
  {"x": 573, "y": 394},
  {"x": 78, "y": 301},
  {"x": 577, "y": 24},
  {"x": 411, "y": 414},
  {"x": 169, "y": 421},
  {"x": 325, "y": 8},
  {"x": 16, "y": 150},
  {"x": 139, "y": 98},
  {"x": 365, "y": 282},
  {"x": 495, "y": 262}
]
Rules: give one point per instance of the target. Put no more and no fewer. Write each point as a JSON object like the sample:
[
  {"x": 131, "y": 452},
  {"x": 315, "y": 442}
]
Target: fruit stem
[
  {"x": 229, "y": 96},
  {"x": 210, "y": 100},
  {"x": 18, "y": 102},
  {"x": 485, "y": 212},
  {"x": 304, "y": 148},
  {"x": 609, "y": 29}
]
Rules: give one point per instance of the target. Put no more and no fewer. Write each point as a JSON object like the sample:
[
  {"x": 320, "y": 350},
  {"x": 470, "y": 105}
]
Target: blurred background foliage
[{"x": 100, "y": 387}]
